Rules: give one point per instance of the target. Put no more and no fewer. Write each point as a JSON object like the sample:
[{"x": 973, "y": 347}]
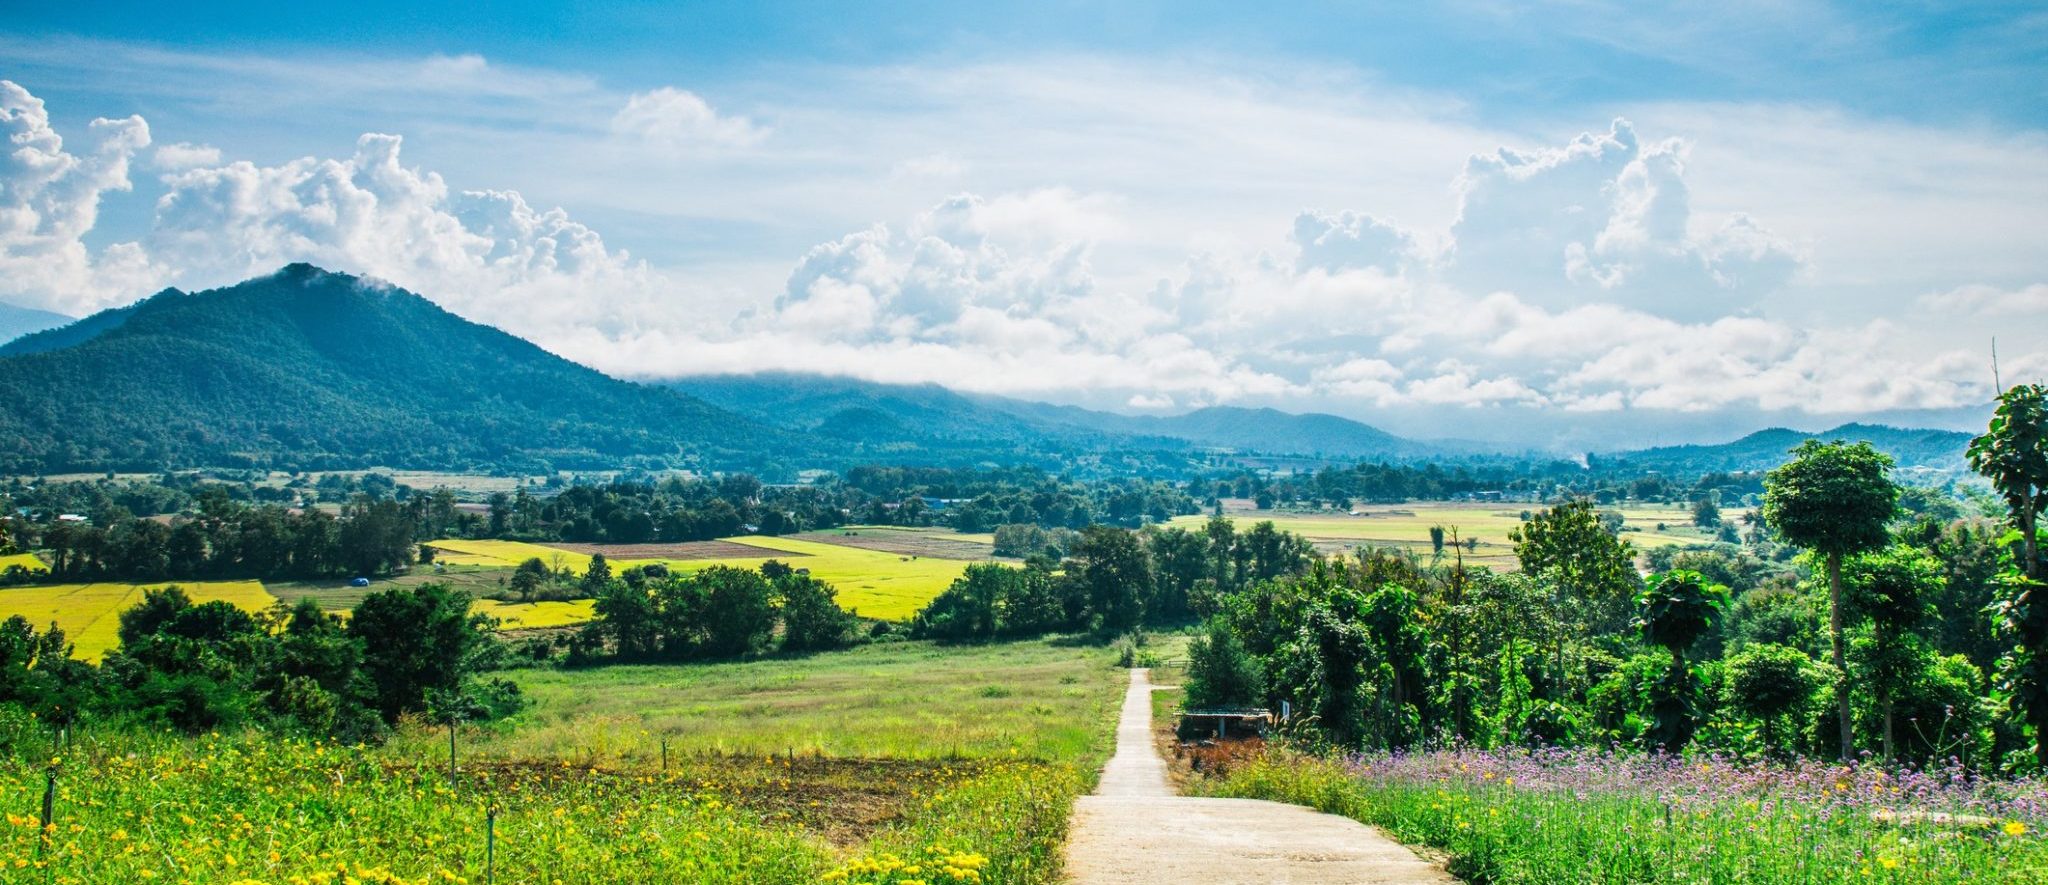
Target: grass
[
  {"x": 892, "y": 699},
  {"x": 90, "y": 614},
  {"x": 1516, "y": 818},
  {"x": 581, "y": 791}
]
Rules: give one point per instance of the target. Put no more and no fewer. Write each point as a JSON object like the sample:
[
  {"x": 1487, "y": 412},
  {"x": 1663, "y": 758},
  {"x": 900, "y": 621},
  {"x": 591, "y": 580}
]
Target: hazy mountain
[
  {"x": 18, "y": 321},
  {"x": 74, "y": 331},
  {"x": 1764, "y": 449},
  {"x": 930, "y": 416},
  {"x": 307, "y": 368}
]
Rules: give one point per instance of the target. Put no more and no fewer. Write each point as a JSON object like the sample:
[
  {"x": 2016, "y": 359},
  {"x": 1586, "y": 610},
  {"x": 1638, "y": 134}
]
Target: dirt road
[{"x": 1135, "y": 830}]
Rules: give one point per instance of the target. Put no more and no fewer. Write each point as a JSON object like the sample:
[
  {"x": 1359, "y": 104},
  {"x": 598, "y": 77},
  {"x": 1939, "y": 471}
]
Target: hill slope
[
  {"x": 308, "y": 369},
  {"x": 18, "y": 321}
]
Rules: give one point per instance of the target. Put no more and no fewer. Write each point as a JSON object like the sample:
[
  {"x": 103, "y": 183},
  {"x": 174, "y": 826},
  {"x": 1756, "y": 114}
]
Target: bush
[{"x": 1221, "y": 674}]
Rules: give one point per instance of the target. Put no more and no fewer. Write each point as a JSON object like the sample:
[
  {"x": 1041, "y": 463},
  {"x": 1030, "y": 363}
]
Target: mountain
[
  {"x": 311, "y": 369},
  {"x": 899, "y": 418},
  {"x": 18, "y": 321},
  {"x": 1765, "y": 449}
]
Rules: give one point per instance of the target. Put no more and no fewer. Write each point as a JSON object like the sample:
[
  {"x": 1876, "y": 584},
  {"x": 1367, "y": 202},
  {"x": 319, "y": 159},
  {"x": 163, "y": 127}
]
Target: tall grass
[{"x": 1584, "y": 817}]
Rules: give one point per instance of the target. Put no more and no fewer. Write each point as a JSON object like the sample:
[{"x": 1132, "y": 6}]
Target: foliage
[
  {"x": 2013, "y": 454},
  {"x": 1221, "y": 675}
]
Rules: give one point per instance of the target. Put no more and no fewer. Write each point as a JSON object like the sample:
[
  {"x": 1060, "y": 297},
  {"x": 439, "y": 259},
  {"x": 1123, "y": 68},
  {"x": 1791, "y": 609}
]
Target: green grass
[{"x": 1053, "y": 701}]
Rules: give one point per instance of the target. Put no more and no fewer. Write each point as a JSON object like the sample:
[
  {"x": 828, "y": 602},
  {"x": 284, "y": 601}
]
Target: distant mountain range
[
  {"x": 1764, "y": 449},
  {"x": 307, "y": 369},
  {"x": 18, "y": 321}
]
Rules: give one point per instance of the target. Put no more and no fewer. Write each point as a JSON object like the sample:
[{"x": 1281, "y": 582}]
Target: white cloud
[
  {"x": 1982, "y": 300},
  {"x": 181, "y": 156},
  {"x": 677, "y": 118},
  {"x": 50, "y": 199}
]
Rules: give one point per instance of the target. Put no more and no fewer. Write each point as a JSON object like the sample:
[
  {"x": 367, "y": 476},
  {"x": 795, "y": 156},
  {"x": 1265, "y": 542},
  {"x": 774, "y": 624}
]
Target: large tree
[
  {"x": 2013, "y": 453},
  {"x": 1834, "y": 499},
  {"x": 1677, "y": 608}
]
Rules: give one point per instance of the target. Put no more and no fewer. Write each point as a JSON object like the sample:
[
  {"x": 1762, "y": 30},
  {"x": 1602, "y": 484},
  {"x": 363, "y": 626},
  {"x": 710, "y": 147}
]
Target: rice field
[
  {"x": 873, "y": 583},
  {"x": 90, "y": 614},
  {"x": 535, "y": 615},
  {"x": 26, "y": 560},
  {"x": 1408, "y": 525}
]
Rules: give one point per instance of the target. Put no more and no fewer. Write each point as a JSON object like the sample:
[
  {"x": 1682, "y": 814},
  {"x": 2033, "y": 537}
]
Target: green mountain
[
  {"x": 17, "y": 321},
  {"x": 311, "y": 369},
  {"x": 1765, "y": 449},
  {"x": 898, "y": 419}
]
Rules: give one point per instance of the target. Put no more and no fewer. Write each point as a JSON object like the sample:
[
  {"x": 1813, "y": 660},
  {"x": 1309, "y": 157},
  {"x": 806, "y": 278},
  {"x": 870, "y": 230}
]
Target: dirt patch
[
  {"x": 904, "y": 544},
  {"x": 680, "y": 550},
  {"x": 843, "y": 800}
]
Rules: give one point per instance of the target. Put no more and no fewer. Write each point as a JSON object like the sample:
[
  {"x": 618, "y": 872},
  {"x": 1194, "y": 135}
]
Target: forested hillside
[{"x": 312, "y": 369}]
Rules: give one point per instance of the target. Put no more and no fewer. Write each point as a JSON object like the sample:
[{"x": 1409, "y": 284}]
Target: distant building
[{"x": 72, "y": 518}]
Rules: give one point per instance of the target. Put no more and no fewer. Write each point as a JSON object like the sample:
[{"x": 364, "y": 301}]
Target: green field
[
  {"x": 1408, "y": 525},
  {"x": 1040, "y": 699},
  {"x": 969, "y": 761}
]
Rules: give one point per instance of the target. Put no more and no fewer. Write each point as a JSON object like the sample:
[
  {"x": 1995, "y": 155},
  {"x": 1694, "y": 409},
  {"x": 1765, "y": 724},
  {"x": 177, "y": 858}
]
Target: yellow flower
[{"x": 2015, "y": 828}]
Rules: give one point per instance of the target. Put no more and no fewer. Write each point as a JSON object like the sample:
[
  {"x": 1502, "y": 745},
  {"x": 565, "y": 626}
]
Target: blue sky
[{"x": 1645, "y": 219}]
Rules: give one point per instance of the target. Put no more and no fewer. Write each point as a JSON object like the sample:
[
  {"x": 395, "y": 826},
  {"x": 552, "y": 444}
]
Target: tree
[
  {"x": 1116, "y": 573},
  {"x": 1221, "y": 674},
  {"x": 739, "y": 610},
  {"x": 1835, "y": 500},
  {"x": 2013, "y": 454},
  {"x": 415, "y": 642},
  {"x": 597, "y": 576},
  {"x": 529, "y": 577},
  {"x": 811, "y": 617},
  {"x": 1893, "y": 588},
  {"x": 1677, "y": 609},
  {"x": 1769, "y": 682}
]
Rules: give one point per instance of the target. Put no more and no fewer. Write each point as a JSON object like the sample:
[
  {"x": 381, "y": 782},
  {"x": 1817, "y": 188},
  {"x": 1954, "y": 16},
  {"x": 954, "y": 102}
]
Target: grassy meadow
[
  {"x": 911, "y": 762},
  {"x": 90, "y": 614}
]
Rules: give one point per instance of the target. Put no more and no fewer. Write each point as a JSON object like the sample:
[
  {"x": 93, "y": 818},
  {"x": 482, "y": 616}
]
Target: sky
[{"x": 1568, "y": 225}]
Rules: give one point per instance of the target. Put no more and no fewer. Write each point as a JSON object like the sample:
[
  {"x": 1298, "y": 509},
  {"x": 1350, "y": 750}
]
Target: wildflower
[{"x": 2015, "y": 828}]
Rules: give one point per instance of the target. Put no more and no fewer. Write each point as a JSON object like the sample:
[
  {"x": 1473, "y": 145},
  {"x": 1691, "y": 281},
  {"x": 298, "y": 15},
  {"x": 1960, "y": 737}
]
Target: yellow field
[
  {"x": 532, "y": 615},
  {"x": 25, "y": 560},
  {"x": 90, "y": 614},
  {"x": 876, "y": 584},
  {"x": 1407, "y": 525}
]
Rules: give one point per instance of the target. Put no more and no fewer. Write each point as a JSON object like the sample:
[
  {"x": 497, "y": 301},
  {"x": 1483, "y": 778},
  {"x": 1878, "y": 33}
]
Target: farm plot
[
  {"x": 535, "y": 615},
  {"x": 90, "y": 614},
  {"x": 935, "y": 543},
  {"x": 27, "y": 561},
  {"x": 680, "y": 551},
  {"x": 1408, "y": 525},
  {"x": 886, "y": 586}
]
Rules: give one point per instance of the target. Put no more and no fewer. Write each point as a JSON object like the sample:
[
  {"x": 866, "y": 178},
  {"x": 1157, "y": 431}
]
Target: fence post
[
  {"x": 49, "y": 816},
  {"x": 664, "y": 755},
  {"x": 451, "y": 753},
  {"x": 490, "y": 844}
]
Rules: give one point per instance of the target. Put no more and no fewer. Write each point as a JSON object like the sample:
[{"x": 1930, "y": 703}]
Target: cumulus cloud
[
  {"x": 487, "y": 254},
  {"x": 50, "y": 199},
  {"x": 1607, "y": 216},
  {"x": 1577, "y": 278},
  {"x": 677, "y": 118}
]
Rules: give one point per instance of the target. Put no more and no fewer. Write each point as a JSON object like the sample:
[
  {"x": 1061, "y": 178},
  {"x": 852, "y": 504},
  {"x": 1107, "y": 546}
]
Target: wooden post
[
  {"x": 49, "y": 810},
  {"x": 490, "y": 844},
  {"x": 664, "y": 755},
  {"x": 451, "y": 753}
]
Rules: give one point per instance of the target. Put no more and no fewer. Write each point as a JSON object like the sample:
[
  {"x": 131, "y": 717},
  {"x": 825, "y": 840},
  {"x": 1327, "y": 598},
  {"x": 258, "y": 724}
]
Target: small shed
[{"x": 1224, "y": 724}]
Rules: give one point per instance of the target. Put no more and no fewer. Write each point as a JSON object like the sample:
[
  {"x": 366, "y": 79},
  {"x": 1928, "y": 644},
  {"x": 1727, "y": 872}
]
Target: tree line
[{"x": 209, "y": 666}]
